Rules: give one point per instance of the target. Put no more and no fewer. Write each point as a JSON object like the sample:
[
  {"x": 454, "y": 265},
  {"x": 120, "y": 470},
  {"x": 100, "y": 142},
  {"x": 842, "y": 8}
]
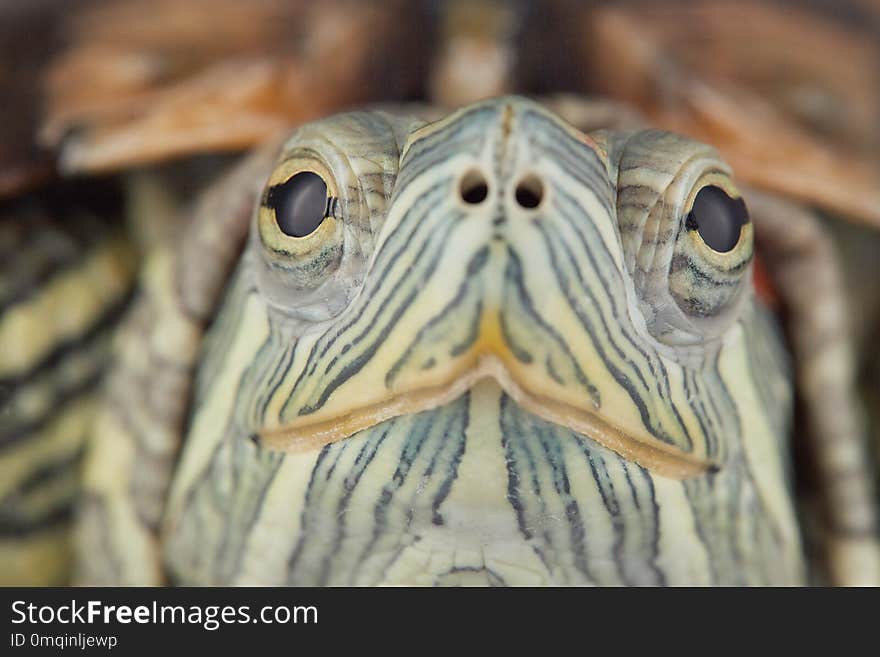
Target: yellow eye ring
[
  {"x": 724, "y": 250},
  {"x": 288, "y": 193}
]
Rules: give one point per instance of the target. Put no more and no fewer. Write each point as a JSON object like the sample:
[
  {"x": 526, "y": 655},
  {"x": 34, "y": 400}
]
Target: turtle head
[{"x": 394, "y": 263}]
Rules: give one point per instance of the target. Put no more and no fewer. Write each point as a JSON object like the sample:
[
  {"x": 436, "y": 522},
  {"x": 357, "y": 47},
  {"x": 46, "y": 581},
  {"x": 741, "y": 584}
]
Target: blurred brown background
[{"x": 789, "y": 90}]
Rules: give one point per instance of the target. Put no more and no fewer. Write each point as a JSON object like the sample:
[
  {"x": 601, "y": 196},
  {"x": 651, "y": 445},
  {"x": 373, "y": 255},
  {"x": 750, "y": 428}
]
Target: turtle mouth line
[{"x": 660, "y": 458}]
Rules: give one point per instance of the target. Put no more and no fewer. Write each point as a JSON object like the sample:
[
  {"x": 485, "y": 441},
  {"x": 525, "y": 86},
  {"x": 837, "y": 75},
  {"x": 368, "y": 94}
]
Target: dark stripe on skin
[
  {"x": 656, "y": 369},
  {"x": 277, "y": 378},
  {"x": 62, "y": 402},
  {"x": 614, "y": 291},
  {"x": 106, "y": 321},
  {"x": 445, "y": 140},
  {"x": 609, "y": 501},
  {"x": 567, "y": 155},
  {"x": 493, "y": 578},
  {"x": 513, "y": 276},
  {"x": 365, "y": 456},
  {"x": 719, "y": 420},
  {"x": 417, "y": 444},
  {"x": 452, "y": 473},
  {"x": 726, "y": 550},
  {"x": 653, "y": 513},
  {"x": 721, "y": 405},
  {"x": 423, "y": 206},
  {"x": 521, "y": 434},
  {"x": 709, "y": 274},
  {"x": 696, "y": 402},
  {"x": 622, "y": 379},
  {"x": 357, "y": 362},
  {"x": 262, "y": 377},
  {"x": 61, "y": 249},
  {"x": 48, "y": 471},
  {"x": 229, "y": 492},
  {"x": 474, "y": 267},
  {"x": 552, "y": 449},
  {"x": 19, "y": 523},
  {"x": 519, "y": 352},
  {"x": 232, "y": 548},
  {"x": 410, "y": 451},
  {"x": 692, "y": 493},
  {"x": 19, "y": 528},
  {"x": 15, "y": 519},
  {"x": 310, "y": 493}
]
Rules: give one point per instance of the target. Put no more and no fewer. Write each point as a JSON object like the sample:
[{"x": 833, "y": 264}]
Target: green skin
[{"x": 443, "y": 384}]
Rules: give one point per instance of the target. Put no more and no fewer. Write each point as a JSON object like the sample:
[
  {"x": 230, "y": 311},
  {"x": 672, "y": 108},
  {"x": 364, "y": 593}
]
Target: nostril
[
  {"x": 473, "y": 188},
  {"x": 530, "y": 192}
]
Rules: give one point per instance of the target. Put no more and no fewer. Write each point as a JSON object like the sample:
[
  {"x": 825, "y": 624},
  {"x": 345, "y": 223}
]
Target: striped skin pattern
[
  {"x": 64, "y": 281},
  {"x": 484, "y": 392}
]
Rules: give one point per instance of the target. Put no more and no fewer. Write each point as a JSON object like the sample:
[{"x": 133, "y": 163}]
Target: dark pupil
[
  {"x": 300, "y": 203},
  {"x": 718, "y": 217}
]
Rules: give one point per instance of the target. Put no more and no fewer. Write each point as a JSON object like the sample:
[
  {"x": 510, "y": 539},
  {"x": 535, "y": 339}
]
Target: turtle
[
  {"x": 487, "y": 348},
  {"x": 130, "y": 95}
]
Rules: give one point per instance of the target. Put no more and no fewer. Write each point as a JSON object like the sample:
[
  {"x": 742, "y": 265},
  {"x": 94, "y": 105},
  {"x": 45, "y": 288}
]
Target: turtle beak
[{"x": 499, "y": 258}]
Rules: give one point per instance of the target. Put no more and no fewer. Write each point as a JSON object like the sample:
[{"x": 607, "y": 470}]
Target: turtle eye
[
  {"x": 299, "y": 223},
  {"x": 717, "y": 218},
  {"x": 299, "y": 204},
  {"x": 713, "y": 250}
]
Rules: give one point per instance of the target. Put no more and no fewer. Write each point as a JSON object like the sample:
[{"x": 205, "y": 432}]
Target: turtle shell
[{"x": 128, "y": 91}]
